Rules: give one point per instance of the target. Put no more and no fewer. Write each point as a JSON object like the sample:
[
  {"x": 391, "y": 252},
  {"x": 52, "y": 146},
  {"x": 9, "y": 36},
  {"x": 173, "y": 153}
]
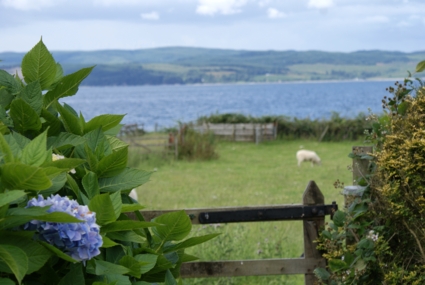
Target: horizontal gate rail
[{"x": 311, "y": 212}]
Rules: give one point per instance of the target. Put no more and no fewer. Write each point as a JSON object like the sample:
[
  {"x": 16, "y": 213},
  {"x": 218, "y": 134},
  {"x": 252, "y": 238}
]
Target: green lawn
[{"x": 247, "y": 174}]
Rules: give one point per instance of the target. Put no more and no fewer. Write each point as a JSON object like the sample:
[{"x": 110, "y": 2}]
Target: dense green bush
[
  {"x": 64, "y": 185},
  {"x": 380, "y": 238},
  {"x": 193, "y": 145}
]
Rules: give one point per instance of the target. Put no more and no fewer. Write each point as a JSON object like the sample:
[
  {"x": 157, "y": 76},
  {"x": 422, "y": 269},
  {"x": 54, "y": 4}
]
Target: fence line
[
  {"x": 241, "y": 132},
  {"x": 311, "y": 212}
]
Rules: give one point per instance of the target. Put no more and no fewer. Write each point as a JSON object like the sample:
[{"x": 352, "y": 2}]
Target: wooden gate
[{"x": 311, "y": 212}]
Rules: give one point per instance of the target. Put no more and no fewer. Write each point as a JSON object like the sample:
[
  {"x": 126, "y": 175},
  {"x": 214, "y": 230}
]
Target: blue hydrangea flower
[{"x": 81, "y": 241}]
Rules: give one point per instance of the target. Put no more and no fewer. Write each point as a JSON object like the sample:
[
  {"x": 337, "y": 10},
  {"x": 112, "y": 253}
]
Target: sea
[{"x": 165, "y": 106}]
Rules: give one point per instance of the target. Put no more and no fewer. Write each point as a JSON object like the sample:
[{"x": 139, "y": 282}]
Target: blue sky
[{"x": 327, "y": 25}]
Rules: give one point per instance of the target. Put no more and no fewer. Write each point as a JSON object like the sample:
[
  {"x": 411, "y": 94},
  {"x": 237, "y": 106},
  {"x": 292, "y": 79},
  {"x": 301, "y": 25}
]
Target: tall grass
[{"x": 247, "y": 174}]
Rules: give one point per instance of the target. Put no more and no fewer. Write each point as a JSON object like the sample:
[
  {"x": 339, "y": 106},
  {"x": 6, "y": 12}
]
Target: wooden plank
[
  {"x": 312, "y": 196},
  {"x": 250, "y": 267}
]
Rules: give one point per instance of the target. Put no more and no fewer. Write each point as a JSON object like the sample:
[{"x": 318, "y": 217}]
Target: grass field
[{"x": 246, "y": 174}]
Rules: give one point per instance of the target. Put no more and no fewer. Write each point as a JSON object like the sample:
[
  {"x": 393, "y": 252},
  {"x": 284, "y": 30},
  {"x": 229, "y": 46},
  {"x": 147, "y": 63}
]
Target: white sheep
[
  {"x": 133, "y": 194},
  {"x": 308, "y": 155}
]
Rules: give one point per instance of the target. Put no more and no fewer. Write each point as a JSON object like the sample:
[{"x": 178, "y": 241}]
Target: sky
[{"x": 326, "y": 25}]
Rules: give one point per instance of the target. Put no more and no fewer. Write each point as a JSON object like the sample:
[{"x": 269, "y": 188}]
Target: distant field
[{"x": 246, "y": 174}]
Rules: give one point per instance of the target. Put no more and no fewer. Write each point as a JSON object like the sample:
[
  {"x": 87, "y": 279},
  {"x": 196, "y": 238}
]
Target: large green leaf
[
  {"x": 65, "y": 140},
  {"x": 5, "y": 150},
  {"x": 126, "y": 180},
  {"x": 132, "y": 265},
  {"x": 146, "y": 261},
  {"x": 190, "y": 242},
  {"x": 71, "y": 123},
  {"x": 169, "y": 279},
  {"x": 58, "y": 182},
  {"x": 116, "y": 143},
  {"x": 106, "y": 122},
  {"x": 20, "y": 139},
  {"x": 7, "y": 80},
  {"x": 116, "y": 203},
  {"x": 112, "y": 164},
  {"x": 129, "y": 236},
  {"x": 7, "y": 281},
  {"x": 52, "y": 122},
  {"x": 102, "y": 206},
  {"x": 126, "y": 225},
  {"x": 65, "y": 163},
  {"x": 104, "y": 267},
  {"x": 24, "y": 117},
  {"x": 16, "y": 260},
  {"x": 35, "y": 152},
  {"x": 14, "y": 146},
  {"x": 37, "y": 254},
  {"x": 21, "y": 176},
  {"x": 33, "y": 96},
  {"x": 131, "y": 208},
  {"x": 39, "y": 64},
  {"x": 10, "y": 196},
  {"x": 90, "y": 184},
  {"x": 5, "y": 97},
  {"x": 66, "y": 86},
  {"x": 176, "y": 226}
]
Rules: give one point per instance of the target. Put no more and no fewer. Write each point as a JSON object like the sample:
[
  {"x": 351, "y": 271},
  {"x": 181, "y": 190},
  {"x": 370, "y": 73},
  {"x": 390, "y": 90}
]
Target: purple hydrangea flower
[{"x": 81, "y": 241}]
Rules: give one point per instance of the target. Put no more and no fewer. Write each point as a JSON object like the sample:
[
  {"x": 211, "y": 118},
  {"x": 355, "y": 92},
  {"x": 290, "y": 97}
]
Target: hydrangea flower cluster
[{"x": 81, "y": 241}]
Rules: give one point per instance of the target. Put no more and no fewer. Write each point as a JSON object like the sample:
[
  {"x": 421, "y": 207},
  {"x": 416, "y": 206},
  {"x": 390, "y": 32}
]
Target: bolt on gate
[{"x": 311, "y": 212}]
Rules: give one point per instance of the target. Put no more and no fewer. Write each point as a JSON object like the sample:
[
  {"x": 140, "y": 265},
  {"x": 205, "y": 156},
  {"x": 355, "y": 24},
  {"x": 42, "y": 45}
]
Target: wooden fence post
[{"x": 312, "y": 196}]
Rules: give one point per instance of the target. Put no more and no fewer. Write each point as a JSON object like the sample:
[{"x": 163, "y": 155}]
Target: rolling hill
[{"x": 186, "y": 65}]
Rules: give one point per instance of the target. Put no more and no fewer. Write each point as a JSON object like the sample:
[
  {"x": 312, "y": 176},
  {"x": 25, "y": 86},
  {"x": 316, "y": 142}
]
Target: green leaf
[
  {"x": 5, "y": 97},
  {"x": 169, "y": 279},
  {"x": 129, "y": 236},
  {"x": 13, "y": 145},
  {"x": 7, "y": 80},
  {"x": 33, "y": 96},
  {"x": 71, "y": 123},
  {"x": 35, "y": 152},
  {"x": 20, "y": 139},
  {"x": 53, "y": 124},
  {"x": 104, "y": 267},
  {"x": 419, "y": 67},
  {"x": 105, "y": 122},
  {"x": 107, "y": 242},
  {"x": 102, "y": 206},
  {"x": 74, "y": 276},
  {"x": 336, "y": 265},
  {"x": 8, "y": 197},
  {"x": 16, "y": 260},
  {"x": 21, "y": 176},
  {"x": 113, "y": 164},
  {"x": 146, "y": 261},
  {"x": 5, "y": 150},
  {"x": 132, "y": 265},
  {"x": 91, "y": 184},
  {"x": 24, "y": 117},
  {"x": 322, "y": 273},
  {"x": 116, "y": 203},
  {"x": 126, "y": 225},
  {"x": 67, "y": 86},
  {"x": 7, "y": 281},
  {"x": 40, "y": 213},
  {"x": 176, "y": 226},
  {"x": 126, "y": 208},
  {"x": 339, "y": 218},
  {"x": 39, "y": 64},
  {"x": 126, "y": 180},
  {"x": 58, "y": 252},
  {"x": 65, "y": 140},
  {"x": 190, "y": 242},
  {"x": 116, "y": 143},
  {"x": 36, "y": 253},
  {"x": 65, "y": 163}
]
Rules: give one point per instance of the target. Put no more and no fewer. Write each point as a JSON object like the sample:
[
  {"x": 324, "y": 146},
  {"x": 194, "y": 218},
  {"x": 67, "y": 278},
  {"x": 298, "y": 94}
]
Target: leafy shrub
[
  {"x": 196, "y": 146},
  {"x": 380, "y": 238},
  {"x": 64, "y": 185}
]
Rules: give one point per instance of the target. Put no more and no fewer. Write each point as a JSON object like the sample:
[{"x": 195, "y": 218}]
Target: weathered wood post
[{"x": 312, "y": 196}]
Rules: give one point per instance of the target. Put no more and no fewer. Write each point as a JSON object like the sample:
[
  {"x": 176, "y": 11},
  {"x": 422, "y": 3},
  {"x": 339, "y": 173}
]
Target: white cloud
[
  {"x": 225, "y": 7},
  {"x": 320, "y": 4},
  {"x": 377, "y": 19},
  {"x": 150, "y": 16},
  {"x": 273, "y": 13},
  {"x": 263, "y": 3},
  {"x": 27, "y": 5},
  {"x": 115, "y": 2}
]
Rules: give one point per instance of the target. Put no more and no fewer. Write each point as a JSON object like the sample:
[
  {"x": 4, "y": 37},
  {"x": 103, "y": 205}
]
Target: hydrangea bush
[{"x": 64, "y": 186}]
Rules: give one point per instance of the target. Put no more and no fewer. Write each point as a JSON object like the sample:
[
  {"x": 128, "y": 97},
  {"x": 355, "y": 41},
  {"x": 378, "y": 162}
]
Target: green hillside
[{"x": 185, "y": 65}]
